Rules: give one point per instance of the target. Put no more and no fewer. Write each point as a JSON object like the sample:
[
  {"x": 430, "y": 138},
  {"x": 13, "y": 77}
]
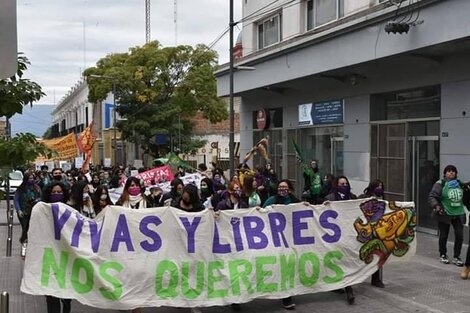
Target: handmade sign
[
  {"x": 156, "y": 175},
  {"x": 127, "y": 258}
]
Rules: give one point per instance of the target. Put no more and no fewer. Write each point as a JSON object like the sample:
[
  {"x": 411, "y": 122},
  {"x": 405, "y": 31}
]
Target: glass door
[
  {"x": 424, "y": 172},
  {"x": 337, "y": 155}
]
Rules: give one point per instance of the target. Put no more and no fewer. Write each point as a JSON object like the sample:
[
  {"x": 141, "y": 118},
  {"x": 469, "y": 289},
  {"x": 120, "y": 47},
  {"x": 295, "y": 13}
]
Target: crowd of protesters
[{"x": 89, "y": 194}]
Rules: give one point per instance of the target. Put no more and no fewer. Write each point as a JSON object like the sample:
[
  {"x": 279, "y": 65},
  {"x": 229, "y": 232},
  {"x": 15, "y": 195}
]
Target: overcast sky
[{"x": 62, "y": 37}]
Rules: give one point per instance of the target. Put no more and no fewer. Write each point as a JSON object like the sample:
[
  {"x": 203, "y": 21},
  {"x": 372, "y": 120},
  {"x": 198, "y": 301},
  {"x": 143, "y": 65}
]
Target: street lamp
[
  {"x": 231, "y": 145},
  {"x": 114, "y": 111}
]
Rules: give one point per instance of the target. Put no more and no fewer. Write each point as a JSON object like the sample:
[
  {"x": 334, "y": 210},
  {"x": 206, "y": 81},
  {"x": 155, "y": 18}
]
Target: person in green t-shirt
[
  {"x": 313, "y": 183},
  {"x": 446, "y": 200}
]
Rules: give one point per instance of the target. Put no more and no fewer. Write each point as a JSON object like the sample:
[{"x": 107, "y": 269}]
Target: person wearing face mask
[
  {"x": 26, "y": 196},
  {"x": 233, "y": 199},
  {"x": 446, "y": 199},
  {"x": 56, "y": 192},
  {"x": 376, "y": 190},
  {"x": 133, "y": 194},
  {"x": 101, "y": 199},
  {"x": 58, "y": 176},
  {"x": 313, "y": 185},
  {"x": 207, "y": 192},
  {"x": 189, "y": 200},
  {"x": 154, "y": 200},
  {"x": 342, "y": 191},
  {"x": 284, "y": 194},
  {"x": 175, "y": 192},
  {"x": 80, "y": 199},
  {"x": 285, "y": 190}
]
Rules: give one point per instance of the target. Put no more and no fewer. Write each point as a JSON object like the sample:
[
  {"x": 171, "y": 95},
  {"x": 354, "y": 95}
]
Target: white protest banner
[
  {"x": 156, "y": 175},
  {"x": 194, "y": 179},
  {"x": 127, "y": 258}
]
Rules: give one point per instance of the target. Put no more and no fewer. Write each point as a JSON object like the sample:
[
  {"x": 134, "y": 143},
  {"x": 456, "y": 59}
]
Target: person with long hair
[
  {"x": 101, "y": 199},
  {"x": 207, "y": 192},
  {"x": 175, "y": 192},
  {"x": 375, "y": 189},
  {"x": 133, "y": 196},
  {"x": 26, "y": 196},
  {"x": 233, "y": 199},
  {"x": 342, "y": 191},
  {"x": 53, "y": 193},
  {"x": 80, "y": 199},
  {"x": 189, "y": 200},
  {"x": 250, "y": 193}
]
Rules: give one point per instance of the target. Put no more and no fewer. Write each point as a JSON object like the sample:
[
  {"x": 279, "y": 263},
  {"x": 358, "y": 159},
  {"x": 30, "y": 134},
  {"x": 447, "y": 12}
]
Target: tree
[
  {"x": 158, "y": 90},
  {"x": 15, "y": 93}
]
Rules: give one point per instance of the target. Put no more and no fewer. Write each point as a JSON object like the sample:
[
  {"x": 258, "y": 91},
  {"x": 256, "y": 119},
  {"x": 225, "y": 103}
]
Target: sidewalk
[{"x": 420, "y": 285}]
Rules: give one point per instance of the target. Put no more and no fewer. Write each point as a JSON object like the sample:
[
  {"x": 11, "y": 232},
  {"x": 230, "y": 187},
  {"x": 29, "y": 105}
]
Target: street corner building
[{"x": 372, "y": 89}]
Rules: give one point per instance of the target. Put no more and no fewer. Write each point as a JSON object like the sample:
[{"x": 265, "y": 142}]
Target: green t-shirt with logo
[{"x": 451, "y": 199}]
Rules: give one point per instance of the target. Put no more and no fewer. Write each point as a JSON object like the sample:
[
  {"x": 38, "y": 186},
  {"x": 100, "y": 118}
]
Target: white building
[{"x": 73, "y": 113}]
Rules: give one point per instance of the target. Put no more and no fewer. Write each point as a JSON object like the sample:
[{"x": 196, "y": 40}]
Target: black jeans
[
  {"x": 24, "y": 222},
  {"x": 444, "y": 234},
  {"x": 53, "y": 305},
  {"x": 467, "y": 259}
]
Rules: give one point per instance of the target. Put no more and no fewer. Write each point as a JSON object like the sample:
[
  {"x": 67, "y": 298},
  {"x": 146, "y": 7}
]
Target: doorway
[{"x": 405, "y": 156}]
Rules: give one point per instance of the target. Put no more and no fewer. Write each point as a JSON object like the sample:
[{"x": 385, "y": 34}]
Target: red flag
[
  {"x": 85, "y": 144},
  {"x": 86, "y": 140}
]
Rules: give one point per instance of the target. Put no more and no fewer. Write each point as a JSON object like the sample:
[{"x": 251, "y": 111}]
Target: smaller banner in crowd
[
  {"x": 156, "y": 175},
  {"x": 154, "y": 257},
  {"x": 66, "y": 147}
]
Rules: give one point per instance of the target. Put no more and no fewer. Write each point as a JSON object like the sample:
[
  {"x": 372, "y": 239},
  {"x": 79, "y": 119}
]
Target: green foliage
[
  {"x": 158, "y": 90},
  {"x": 20, "y": 150},
  {"x": 16, "y": 91}
]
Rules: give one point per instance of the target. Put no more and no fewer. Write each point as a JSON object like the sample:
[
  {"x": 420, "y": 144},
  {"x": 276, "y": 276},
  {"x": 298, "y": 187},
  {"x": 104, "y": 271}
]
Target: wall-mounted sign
[
  {"x": 305, "y": 114},
  {"x": 262, "y": 119},
  {"x": 274, "y": 118},
  {"x": 328, "y": 112}
]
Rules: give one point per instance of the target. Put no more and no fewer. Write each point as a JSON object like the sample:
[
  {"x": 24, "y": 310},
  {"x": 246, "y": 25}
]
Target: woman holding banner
[
  {"x": 342, "y": 191},
  {"x": 233, "y": 199},
  {"x": 53, "y": 193},
  {"x": 133, "y": 196},
  {"x": 285, "y": 195},
  {"x": 376, "y": 190},
  {"x": 189, "y": 200}
]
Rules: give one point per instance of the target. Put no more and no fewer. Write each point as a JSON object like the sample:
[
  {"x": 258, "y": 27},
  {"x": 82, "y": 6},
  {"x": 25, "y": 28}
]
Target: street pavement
[{"x": 421, "y": 284}]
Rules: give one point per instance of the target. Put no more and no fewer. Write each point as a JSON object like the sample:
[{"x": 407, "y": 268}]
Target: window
[
  {"x": 269, "y": 31},
  {"x": 320, "y": 12}
]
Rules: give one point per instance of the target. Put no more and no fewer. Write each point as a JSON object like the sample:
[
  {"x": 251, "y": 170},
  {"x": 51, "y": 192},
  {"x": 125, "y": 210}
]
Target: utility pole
[
  {"x": 231, "y": 144},
  {"x": 175, "y": 19},
  {"x": 147, "y": 21}
]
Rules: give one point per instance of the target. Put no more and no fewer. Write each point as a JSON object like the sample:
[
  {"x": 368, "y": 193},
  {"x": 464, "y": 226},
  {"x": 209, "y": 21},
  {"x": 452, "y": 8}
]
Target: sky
[{"x": 63, "y": 37}]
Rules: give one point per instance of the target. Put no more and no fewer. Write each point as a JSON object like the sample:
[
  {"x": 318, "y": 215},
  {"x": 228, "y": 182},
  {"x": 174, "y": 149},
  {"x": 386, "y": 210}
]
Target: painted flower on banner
[{"x": 383, "y": 233}]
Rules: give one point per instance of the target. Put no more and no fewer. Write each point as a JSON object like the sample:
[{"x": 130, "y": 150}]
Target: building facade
[
  {"x": 371, "y": 89},
  {"x": 216, "y": 149}
]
